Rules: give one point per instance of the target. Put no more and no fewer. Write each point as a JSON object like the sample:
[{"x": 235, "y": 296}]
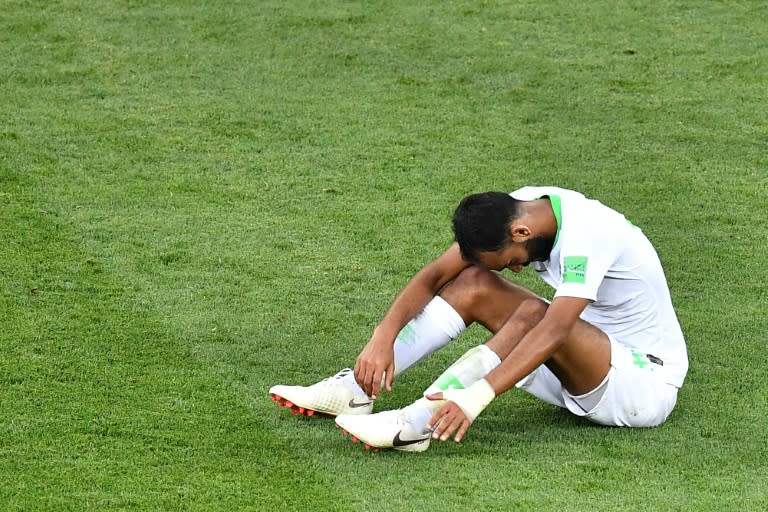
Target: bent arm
[
  {"x": 376, "y": 360},
  {"x": 422, "y": 287}
]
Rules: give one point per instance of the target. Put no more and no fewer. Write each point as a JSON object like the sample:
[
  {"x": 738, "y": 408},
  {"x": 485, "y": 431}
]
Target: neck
[{"x": 542, "y": 218}]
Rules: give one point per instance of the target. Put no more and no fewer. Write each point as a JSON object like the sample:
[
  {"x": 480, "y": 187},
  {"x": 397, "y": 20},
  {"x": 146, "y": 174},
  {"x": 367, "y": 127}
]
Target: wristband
[{"x": 472, "y": 400}]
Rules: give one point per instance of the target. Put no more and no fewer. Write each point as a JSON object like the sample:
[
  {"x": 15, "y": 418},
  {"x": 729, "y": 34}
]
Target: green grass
[{"x": 202, "y": 199}]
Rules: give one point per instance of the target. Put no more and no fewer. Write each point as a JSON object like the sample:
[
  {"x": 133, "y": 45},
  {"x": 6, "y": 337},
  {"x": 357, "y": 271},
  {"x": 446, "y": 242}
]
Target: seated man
[{"x": 608, "y": 346}]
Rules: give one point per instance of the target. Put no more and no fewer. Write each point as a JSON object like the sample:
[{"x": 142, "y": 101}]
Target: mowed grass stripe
[{"x": 105, "y": 404}]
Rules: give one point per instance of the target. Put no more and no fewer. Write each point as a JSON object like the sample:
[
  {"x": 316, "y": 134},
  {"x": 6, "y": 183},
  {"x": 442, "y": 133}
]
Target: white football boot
[
  {"x": 388, "y": 429},
  {"x": 329, "y": 397}
]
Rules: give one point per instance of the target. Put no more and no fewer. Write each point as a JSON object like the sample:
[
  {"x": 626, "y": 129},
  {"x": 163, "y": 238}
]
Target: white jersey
[{"x": 599, "y": 255}]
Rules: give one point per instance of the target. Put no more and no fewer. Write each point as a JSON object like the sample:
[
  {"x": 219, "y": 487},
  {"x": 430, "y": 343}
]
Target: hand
[
  {"x": 447, "y": 420},
  {"x": 375, "y": 366},
  {"x": 460, "y": 410}
]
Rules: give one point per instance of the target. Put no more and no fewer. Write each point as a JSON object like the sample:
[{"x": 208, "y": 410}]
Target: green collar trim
[{"x": 555, "y": 201}]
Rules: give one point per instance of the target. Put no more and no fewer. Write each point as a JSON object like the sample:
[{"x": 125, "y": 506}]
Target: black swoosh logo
[
  {"x": 355, "y": 405},
  {"x": 405, "y": 442}
]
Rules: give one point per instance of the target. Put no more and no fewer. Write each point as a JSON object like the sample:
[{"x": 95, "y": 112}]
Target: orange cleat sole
[{"x": 295, "y": 409}]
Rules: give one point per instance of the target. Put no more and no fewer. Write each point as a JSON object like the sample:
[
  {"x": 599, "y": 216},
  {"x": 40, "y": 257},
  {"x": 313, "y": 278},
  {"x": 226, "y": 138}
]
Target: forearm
[
  {"x": 532, "y": 351},
  {"x": 422, "y": 287},
  {"x": 376, "y": 361},
  {"x": 408, "y": 303}
]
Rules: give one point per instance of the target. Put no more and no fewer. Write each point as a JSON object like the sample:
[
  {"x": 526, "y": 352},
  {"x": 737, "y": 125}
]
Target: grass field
[{"x": 202, "y": 199}]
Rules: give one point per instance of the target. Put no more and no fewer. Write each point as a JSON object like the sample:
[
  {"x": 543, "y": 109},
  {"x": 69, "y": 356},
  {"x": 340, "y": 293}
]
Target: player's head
[
  {"x": 481, "y": 223},
  {"x": 497, "y": 231}
]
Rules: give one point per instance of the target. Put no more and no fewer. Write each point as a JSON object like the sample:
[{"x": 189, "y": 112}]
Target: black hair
[{"x": 481, "y": 223}]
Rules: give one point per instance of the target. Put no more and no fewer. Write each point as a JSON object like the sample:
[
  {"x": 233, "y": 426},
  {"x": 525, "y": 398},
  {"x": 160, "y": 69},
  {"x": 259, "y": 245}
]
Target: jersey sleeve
[{"x": 584, "y": 261}]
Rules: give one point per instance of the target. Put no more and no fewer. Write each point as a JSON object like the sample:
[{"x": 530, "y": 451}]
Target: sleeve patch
[{"x": 575, "y": 269}]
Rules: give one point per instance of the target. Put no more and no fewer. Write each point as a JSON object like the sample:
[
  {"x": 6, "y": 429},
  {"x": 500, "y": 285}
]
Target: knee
[
  {"x": 533, "y": 309},
  {"x": 475, "y": 277},
  {"x": 471, "y": 283},
  {"x": 467, "y": 289},
  {"x": 527, "y": 314}
]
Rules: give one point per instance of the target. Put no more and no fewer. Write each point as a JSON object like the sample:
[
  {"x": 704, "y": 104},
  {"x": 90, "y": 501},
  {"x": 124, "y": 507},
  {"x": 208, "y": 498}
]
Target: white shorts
[{"x": 636, "y": 394}]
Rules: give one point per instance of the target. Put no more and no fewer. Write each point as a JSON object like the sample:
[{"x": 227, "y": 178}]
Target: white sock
[
  {"x": 475, "y": 364},
  {"x": 436, "y": 326}
]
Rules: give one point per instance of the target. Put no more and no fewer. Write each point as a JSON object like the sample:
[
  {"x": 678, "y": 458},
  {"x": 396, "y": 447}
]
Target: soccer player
[{"x": 608, "y": 346}]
